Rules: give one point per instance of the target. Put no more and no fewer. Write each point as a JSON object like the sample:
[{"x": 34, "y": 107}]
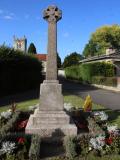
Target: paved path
[{"x": 106, "y": 98}]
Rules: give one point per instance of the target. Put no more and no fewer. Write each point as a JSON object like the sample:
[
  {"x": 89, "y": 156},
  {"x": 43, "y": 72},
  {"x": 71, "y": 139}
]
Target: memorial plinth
[{"x": 50, "y": 119}]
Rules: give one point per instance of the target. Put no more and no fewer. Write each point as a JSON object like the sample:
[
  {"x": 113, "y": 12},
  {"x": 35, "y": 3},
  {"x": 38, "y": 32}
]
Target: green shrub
[
  {"x": 34, "y": 152},
  {"x": 73, "y": 72},
  {"x": 70, "y": 147},
  {"x": 83, "y": 144},
  {"x": 86, "y": 72},
  {"x": 18, "y": 71}
]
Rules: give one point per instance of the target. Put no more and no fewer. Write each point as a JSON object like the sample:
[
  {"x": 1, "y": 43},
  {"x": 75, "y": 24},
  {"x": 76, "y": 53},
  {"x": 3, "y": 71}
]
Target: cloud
[
  {"x": 66, "y": 34},
  {"x": 8, "y": 17}
]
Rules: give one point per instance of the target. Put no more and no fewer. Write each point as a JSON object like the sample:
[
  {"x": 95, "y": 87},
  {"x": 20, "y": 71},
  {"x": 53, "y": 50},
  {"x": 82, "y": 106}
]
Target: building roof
[
  {"x": 114, "y": 57},
  {"x": 41, "y": 57}
]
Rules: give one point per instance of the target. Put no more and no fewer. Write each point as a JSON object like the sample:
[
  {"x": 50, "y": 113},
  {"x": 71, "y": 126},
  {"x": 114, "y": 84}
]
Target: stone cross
[
  {"x": 50, "y": 119},
  {"x": 52, "y": 14}
]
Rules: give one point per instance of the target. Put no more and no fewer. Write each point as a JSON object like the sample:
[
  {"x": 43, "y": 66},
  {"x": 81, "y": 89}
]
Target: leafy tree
[
  {"x": 72, "y": 59},
  {"x": 58, "y": 61},
  {"x": 32, "y": 49},
  {"x": 90, "y": 49},
  {"x": 103, "y": 38}
]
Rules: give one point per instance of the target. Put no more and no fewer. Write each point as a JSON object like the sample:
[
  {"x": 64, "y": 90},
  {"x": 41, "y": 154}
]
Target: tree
[
  {"x": 72, "y": 59},
  {"x": 103, "y": 38},
  {"x": 32, "y": 49},
  {"x": 58, "y": 61},
  {"x": 90, "y": 49}
]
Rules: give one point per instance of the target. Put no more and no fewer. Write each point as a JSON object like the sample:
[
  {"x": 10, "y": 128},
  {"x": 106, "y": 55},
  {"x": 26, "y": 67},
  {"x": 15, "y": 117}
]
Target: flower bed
[
  {"x": 15, "y": 146},
  {"x": 19, "y": 146},
  {"x": 14, "y": 143},
  {"x": 98, "y": 138}
]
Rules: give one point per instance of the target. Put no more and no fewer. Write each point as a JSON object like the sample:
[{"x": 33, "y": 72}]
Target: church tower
[{"x": 20, "y": 44}]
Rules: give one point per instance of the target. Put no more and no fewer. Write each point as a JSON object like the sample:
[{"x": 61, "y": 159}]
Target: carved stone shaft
[
  {"x": 52, "y": 14},
  {"x": 51, "y": 70}
]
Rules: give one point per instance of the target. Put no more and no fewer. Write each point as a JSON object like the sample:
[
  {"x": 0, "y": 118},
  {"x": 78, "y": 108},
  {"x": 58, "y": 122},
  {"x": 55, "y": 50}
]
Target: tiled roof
[{"x": 41, "y": 57}]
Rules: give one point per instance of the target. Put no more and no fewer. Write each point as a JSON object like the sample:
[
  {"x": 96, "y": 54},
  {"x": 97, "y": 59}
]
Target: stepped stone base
[
  {"x": 50, "y": 123},
  {"x": 49, "y": 119}
]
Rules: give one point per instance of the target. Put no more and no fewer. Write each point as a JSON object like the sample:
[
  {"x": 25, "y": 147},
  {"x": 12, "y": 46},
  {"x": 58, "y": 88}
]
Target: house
[
  {"x": 43, "y": 59},
  {"x": 111, "y": 56}
]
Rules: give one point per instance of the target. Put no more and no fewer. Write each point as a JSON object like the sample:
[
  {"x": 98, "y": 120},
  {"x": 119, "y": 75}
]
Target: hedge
[
  {"x": 73, "y": 72},
  {"x": 70, "y": 147},
  {"x": 34, "y": 152},
  {"x": 18, "y": 71},
  {"x": 86, "y": 72}
]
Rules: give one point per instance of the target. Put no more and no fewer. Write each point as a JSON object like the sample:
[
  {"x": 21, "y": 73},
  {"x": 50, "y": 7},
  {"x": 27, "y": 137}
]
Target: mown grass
[
  {"x": 76, "y": 101},
  {"x": 21, "y": 105}
]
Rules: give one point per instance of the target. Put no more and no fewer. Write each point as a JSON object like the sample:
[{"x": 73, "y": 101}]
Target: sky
[{"x": 80, "y": 18}]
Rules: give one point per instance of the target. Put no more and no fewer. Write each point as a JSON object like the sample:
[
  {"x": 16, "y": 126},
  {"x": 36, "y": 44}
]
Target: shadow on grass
[{"x": 20, "y": 97}]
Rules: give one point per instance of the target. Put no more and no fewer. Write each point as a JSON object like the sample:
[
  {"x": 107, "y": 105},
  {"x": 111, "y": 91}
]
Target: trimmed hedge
[
  {"x": 34, "y": 152},
  {"x": 73, "y": 72},
  {"x": 70, "y": 147},
  {"x": 18, "y": 72},
  {"x": 88, "y": 72}
]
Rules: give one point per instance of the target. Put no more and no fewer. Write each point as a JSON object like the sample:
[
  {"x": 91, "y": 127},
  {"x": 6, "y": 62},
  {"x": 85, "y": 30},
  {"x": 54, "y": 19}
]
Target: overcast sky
[{"x": 80, "y": 19}]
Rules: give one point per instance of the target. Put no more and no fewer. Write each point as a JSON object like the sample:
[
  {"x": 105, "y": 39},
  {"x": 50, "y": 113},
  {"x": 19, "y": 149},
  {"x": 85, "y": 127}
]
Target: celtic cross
[{"x": 52, "y": 14}]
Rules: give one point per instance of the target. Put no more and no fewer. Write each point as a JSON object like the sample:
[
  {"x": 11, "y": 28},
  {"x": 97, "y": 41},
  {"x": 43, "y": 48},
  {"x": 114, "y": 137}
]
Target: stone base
[
  {"x": 50, "y": 124},
  {"x": 49, "y": 119}
]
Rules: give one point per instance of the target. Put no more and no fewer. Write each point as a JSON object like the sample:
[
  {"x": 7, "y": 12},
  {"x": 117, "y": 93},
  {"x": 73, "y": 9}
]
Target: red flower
[
  {"x": 21, "y": 140},
  {"x": 22, "y": 124},
  {"x": 109, "y": 140}
]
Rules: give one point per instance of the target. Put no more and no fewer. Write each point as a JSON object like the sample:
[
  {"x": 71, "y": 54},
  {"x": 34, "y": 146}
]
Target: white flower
[
  {"x": 90, "y": 148},
  {"x": 9, "y": 110},
  {"x": 6, "y": 114},
  {"x": 7, "y": 147},
  {"x": 113, "y": 129},
  {"x": 67, "y": 106},
  {"x": 96, "y": 113},
  {"x": 102, "y": 115},
  {"x": 98, "y": 142}
]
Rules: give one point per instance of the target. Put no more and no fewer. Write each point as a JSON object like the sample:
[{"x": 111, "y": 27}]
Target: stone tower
[{"x": 20, "y": 44}]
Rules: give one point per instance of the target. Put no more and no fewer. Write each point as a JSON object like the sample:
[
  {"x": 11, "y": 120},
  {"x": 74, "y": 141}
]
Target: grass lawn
[
  {"x": 76, "y": 101},
  {"x": 21, "y": 105}
]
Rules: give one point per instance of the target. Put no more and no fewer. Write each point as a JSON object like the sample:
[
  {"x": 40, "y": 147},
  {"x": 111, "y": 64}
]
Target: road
[{"x": 109, "y": 99}]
